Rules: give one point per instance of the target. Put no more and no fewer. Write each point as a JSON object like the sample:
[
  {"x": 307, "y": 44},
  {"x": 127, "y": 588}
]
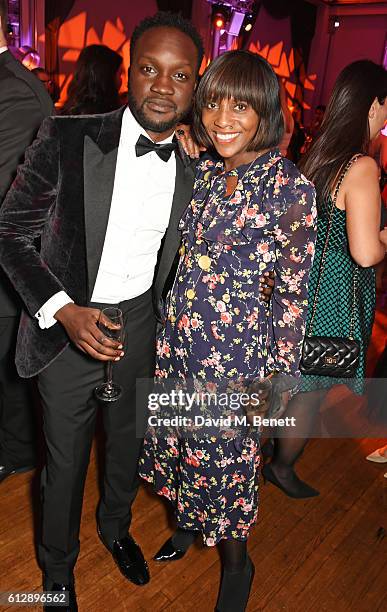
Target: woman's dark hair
[
  {"x": 345, "y": 129},
  {"x": 244, "y": 77},
  {"x": 94, "y": 85}
]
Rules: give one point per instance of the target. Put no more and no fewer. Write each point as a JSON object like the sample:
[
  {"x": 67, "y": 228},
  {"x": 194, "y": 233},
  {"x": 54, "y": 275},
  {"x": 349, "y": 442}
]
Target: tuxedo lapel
[
  {"x": 183, "y": 189},
  {"x": 185, "y": 170},
  {"x": 99, "y": 166}
]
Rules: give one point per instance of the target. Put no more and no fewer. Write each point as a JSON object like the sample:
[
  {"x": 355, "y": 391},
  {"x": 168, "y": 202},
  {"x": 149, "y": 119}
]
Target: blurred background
[{"x": 307, "y": 42}]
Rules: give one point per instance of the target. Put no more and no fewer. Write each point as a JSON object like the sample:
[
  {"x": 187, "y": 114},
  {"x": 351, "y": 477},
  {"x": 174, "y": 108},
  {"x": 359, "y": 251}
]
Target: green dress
[{"x": 335, "y": 299}]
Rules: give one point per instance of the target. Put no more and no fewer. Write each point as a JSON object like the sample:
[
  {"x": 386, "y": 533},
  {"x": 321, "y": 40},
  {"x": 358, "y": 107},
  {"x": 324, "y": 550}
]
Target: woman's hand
[
  {"x": 266, "y": 285},
  {"x": 183, "y": 134}
]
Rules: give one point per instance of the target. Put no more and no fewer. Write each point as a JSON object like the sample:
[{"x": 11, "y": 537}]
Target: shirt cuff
[{"x": 46, "y": 313}]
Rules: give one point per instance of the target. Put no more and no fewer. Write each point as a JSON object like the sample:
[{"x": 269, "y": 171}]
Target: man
[
  {"x": 101, "y": 196},
  {"x": 23, "y": 106}
]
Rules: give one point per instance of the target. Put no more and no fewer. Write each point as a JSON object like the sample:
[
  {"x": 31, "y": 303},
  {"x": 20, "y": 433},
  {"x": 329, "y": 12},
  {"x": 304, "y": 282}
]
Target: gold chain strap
[{"x": 323, "y": 257}]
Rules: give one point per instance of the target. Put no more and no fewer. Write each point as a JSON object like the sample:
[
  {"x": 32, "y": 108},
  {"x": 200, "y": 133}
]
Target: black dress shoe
[
  {"x": 72, "y": 605},
  {"x": 169, "y": 553},
  {"x": 5, "y": 472},
  {"x": 129, "y": 558}
]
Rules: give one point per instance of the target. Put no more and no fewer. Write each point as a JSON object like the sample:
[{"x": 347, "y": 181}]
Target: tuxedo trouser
[
  {"x": 69, "y": 415},
  {"x": 17, "y": 422}
]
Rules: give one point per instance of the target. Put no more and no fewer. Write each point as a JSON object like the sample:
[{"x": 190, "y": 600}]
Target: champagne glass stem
[
  {"x": 109, "y": 375},
  {"x": 110, "y": 391}
]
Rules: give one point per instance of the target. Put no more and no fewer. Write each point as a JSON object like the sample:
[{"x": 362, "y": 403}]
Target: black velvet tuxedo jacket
[
  {"x": 24, "y": 103},
  {"x": 62, "y": 194}
]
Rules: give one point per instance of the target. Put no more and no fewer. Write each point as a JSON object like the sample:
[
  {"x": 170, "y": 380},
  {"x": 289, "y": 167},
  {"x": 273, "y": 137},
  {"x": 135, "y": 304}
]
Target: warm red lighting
[{"x": 219, "y": 21}]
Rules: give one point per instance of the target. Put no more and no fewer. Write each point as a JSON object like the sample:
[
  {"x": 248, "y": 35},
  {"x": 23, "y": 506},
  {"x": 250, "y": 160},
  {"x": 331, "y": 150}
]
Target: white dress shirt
[
  {"x": 139, "y": 215},
  {"x": 2, "y": 49}
]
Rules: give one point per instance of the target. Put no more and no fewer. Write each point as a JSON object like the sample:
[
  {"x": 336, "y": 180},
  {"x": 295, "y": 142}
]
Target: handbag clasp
[{"x": 331, "y": 360}]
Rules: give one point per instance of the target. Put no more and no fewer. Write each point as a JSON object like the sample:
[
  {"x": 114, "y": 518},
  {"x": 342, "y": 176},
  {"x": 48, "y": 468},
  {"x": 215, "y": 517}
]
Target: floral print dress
[{"x": 218, "y": 330}]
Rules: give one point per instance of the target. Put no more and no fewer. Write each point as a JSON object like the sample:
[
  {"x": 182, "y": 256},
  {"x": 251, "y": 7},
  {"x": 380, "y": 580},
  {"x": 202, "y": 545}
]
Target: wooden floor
[{"x": 325, "y": 554}]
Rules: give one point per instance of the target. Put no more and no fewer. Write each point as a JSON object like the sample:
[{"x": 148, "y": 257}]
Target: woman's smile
[{"x": 225, "y": 137}]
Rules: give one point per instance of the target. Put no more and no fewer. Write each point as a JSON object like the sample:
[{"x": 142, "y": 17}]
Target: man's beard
[{"x": 158, "y": 127}]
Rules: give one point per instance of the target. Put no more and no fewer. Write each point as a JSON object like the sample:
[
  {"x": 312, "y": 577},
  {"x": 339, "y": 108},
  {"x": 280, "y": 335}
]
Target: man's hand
[
  {"x": 266, "y": 285},
  {"x": 81, "y": 327}
]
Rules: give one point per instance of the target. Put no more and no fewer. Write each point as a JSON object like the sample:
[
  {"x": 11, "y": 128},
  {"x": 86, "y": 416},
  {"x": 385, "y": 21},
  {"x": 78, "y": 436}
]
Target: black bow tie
[{"x": 144, "y": 146}]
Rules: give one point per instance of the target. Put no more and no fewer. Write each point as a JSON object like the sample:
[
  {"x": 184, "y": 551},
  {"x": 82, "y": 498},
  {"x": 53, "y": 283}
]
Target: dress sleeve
[{"x": 294, "y": 243}]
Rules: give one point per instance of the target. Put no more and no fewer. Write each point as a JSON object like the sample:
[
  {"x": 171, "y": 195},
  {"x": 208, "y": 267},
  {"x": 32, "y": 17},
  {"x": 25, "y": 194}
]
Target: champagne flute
[{"x": 114, "y": 330}]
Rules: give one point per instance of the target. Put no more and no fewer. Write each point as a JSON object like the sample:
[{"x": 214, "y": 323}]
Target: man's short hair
[
  {"x": 4, "y": 16},
  {"x": 163, "y": 19}
]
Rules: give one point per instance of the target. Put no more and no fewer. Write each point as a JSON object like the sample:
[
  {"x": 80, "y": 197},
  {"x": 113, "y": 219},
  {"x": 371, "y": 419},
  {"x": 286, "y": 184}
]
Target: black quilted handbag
[{"x": 324, "y": 355}]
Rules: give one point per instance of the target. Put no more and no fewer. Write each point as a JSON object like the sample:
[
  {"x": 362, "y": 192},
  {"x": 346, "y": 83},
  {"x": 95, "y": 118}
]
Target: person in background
[
  {"x": 317, "y": 120},
  {"x": 376, "y": 394},
  {"x": 314, "y": 127},
  {"x": 383, "y": 163},
  {"x": 298, "y": 136},
  {"x": 96, "y": 82},
  {"x": 378, "y": 150},
  {"x": 24, "y": 104},
  {"x": 49, "y": 84},
  {"x": 251, "y": 211},
  {"x": 356, "y": 112},
  {"x": 288, "y": 120}
]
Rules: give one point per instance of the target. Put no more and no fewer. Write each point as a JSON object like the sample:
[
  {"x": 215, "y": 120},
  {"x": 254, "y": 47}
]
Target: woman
[
  {"x": 355, "y": 114},
  {"x": 96, "y": 83},
  {"x": 252, "y": 211}
]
